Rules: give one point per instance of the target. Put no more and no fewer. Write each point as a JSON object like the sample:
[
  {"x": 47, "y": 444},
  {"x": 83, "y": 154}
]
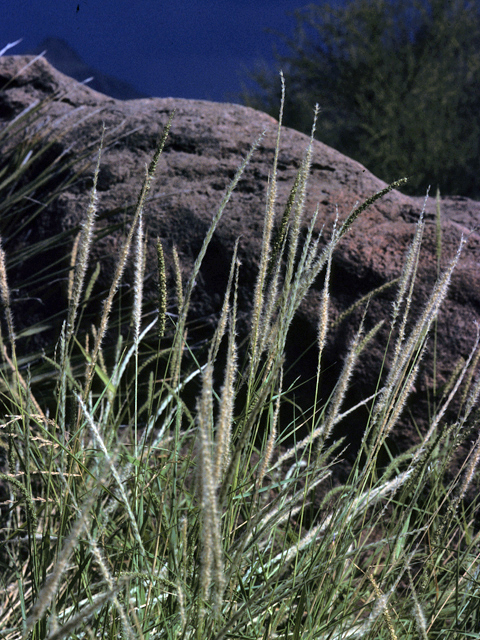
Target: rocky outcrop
[{"x": 206, "y": 145}]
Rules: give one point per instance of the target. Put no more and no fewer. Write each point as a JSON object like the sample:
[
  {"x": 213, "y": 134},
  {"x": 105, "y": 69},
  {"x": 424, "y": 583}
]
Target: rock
[{"x": 206, "y": 145}]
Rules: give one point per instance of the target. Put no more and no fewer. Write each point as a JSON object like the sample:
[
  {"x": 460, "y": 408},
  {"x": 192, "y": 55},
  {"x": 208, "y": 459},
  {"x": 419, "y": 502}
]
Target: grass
[{"x": 130, "y": 514}]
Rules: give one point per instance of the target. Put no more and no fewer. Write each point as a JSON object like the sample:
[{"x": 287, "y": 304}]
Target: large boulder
[{"x": 205, "y": 147}]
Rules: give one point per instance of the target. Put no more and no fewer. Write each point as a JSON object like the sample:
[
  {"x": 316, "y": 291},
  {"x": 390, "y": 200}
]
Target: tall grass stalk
[{"x": 138, "y": 515}]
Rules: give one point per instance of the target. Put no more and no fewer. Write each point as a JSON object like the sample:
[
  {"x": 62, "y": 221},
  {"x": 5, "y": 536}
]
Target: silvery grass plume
[
  {"x": 212, "y": 570},
  {"x": 404, "y": 369},
  {"x": 5, "y": 298},
  {"x": 265, "y": 256},
  {"x": 214, "y": 457},
  {"x": 107, "y": 306},
  {"x": 332, "y": 417},
  {"x": 310, "y": 263},
  {"x": 224, "y": 424},
  {"x": 162, "y": 290},
  {"x": 76, "y": 282},
  {"x": 265, "y": 331},
  {"x": 139, "y": 274}
]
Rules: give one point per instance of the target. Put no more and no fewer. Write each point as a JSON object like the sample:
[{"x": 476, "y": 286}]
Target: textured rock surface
[{"x": 205, "y": 147}]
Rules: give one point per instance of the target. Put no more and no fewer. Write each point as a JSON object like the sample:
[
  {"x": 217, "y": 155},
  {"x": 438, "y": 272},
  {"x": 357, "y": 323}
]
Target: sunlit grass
[{"x": 131, "y": 514}]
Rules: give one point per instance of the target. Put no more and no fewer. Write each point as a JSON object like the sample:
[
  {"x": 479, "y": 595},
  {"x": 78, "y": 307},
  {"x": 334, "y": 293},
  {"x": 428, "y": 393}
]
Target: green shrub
[{"x": 396, "y": 83}]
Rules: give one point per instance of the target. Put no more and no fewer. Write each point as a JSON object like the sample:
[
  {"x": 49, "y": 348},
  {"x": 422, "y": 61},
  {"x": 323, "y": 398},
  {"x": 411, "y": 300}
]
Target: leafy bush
[
  {"x": 145, "y": 519},
  {"x": 397, "y": 83}
]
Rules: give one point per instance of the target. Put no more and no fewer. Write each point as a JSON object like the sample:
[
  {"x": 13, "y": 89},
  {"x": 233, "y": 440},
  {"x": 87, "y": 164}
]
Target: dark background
[
  {"x": 397, "y": 81},
  {"x": 184, "y": 49}
]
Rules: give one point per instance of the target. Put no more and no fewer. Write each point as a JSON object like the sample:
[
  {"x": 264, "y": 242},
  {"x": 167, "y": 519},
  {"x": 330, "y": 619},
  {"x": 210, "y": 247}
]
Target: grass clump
[{"x": 197, "y": 523}]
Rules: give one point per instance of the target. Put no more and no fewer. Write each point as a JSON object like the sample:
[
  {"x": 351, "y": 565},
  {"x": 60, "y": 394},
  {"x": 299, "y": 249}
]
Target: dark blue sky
[{"x": 186, "y": 48}]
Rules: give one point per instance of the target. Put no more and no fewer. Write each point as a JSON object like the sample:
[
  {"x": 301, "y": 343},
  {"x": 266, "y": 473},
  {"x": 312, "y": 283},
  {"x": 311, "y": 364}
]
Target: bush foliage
[{"x": 397, "y": 84}]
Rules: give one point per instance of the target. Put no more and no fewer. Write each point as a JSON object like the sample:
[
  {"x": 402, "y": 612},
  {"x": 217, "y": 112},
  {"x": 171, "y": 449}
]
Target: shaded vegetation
[{"x": 397, "y": 84}]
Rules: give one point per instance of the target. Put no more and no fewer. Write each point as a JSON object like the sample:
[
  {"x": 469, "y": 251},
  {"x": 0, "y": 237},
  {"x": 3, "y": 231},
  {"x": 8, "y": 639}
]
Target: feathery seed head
[{"x": 162, "y": 289}]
